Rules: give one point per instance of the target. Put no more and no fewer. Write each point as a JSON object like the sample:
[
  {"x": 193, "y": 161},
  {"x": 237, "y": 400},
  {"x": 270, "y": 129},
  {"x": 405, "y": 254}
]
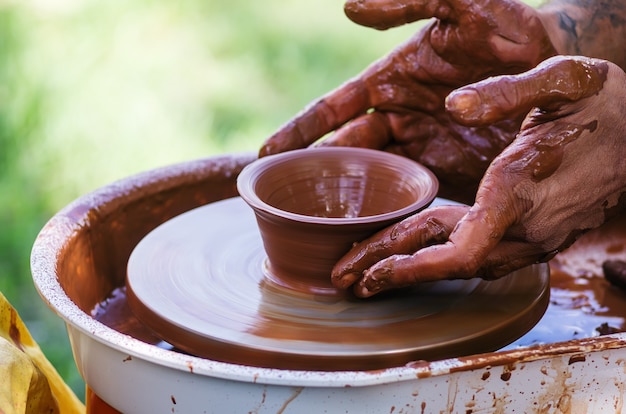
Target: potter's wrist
[{"x": 591, "y": 28}]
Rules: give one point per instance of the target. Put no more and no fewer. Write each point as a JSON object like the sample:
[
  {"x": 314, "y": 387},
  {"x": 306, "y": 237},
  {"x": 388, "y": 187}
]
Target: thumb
[{"x": 555, "y": 81}]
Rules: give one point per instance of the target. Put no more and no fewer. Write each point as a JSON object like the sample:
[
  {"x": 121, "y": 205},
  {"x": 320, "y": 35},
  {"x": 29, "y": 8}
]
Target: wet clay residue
[
  {"x": 583, "y": 303},
  {"x": 115, "y": 313},
  {"x": 549, "y": 149}
]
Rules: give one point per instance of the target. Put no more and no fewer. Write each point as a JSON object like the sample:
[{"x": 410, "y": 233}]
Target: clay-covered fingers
[
  {"x": 367, "y": 131},
  {"x": 323, "y": 116},
  {"x": 466, "y": 242},
  {"x": 466, "y": 41},
  {"x": 507, "y": 29},
  {"x": 555, "y": 81},
  {"x": 424, "y": 229},
  {"x": 385, "y": 86},
  {"x": 384, "y": 14},
  {"x": 463, "y": 256},
  {"x": 445, "y": 261}
]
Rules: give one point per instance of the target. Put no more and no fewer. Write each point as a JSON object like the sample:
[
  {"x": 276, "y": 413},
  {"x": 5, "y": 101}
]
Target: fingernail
[
  {"x": 464, "y": 102},
  {"x": 344, "y": 281}
]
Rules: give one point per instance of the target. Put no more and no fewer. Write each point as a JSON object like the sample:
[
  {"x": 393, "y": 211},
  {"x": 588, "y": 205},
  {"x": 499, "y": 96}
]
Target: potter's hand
[
  {"x": 397, "y": 103},
  {"x": 564, "y": 173}
]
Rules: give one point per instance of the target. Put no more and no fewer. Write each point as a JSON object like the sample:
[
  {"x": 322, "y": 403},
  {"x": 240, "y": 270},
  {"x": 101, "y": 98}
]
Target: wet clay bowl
[{"x": 311, "y": 205}]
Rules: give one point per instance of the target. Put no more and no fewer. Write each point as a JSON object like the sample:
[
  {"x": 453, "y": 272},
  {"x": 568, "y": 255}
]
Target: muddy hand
[
  {"x": 397, "y": 103},
  {"x": 565, "y": 173}
]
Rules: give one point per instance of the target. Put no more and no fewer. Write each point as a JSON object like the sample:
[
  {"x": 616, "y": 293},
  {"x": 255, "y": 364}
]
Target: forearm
[{"x": 593, "y": 28}]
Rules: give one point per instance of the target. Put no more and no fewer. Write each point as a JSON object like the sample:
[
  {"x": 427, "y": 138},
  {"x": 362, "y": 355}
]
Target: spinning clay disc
[{"x": 201, "y": 282}]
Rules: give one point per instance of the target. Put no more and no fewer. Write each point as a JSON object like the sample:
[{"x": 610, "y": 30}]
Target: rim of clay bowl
[{"x": 249, "y": 176}]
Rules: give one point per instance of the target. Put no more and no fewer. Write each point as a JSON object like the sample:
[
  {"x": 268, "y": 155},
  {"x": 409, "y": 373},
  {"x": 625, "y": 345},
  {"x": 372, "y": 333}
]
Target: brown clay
[{"x": 311, "y": 206}]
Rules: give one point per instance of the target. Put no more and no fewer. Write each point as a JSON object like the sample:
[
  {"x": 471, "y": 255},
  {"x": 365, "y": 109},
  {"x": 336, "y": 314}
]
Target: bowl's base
[{"x": 318, "y": 285}]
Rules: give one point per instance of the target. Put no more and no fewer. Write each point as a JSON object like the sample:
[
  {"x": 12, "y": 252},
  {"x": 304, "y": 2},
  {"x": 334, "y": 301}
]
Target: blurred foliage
[{"x": 93, "y": 91}]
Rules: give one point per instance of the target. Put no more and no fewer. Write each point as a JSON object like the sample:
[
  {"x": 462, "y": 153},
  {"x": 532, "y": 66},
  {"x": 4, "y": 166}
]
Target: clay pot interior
[{"x": 311, "y": 205}]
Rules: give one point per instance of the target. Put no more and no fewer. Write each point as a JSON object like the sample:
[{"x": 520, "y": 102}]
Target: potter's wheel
[{"x": 200, "y": 282}]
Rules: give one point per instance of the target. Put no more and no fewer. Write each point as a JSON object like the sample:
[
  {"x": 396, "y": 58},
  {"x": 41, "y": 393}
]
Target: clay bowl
[{"x": 311, "y": 205}]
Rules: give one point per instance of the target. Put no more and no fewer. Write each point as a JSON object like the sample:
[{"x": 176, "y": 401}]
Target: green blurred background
[{"x": 93, "y": 91}]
